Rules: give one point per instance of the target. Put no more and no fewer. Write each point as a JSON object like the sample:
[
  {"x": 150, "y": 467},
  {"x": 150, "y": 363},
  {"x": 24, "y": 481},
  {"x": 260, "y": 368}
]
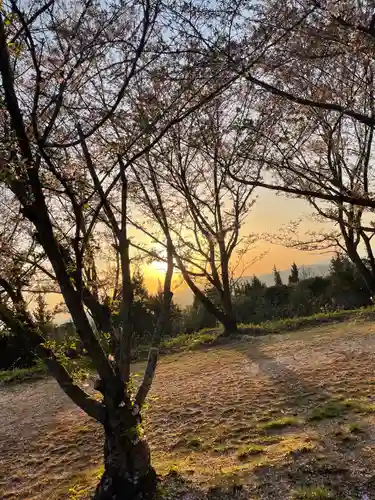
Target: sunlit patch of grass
[
  {"x": 297, "y": 323},
  {"x": 359, "y": 405},
  {"x": 83, "y": 429},
  {"x": 187, "y": 341},
  {"x": 312, "y": 493},
  {"x": 268, "y": 440},
  {"x": 223, "y": 448},
  {"x": 77, "y": 492},
  {"x": 355, "y": 428},
  {"x": 280, "y": 423},
  {"x": 292, "y": 445},
  {"x": 82, "y": 484},
  {"x": 250, "y": 450}
]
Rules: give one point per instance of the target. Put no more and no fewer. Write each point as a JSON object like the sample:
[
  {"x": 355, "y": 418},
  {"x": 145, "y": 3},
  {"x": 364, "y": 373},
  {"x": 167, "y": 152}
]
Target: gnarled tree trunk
[{"x": 128, "y": 474}]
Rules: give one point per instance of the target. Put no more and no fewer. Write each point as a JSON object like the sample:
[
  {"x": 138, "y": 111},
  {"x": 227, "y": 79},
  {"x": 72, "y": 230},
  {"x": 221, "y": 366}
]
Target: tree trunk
[
  {"x": 128, "y": 474},
  {"x": 230, "y": 324}
]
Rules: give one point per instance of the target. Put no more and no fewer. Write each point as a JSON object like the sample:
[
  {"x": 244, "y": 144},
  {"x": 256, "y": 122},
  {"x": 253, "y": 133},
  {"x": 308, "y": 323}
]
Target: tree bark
[
  {"x": 230, "y": 324},
  {"x": 128, "y": 474}
]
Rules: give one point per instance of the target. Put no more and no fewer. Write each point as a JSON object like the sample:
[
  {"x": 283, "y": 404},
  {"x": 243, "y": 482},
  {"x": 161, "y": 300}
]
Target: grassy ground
[
  {"x": 211, "y": 337},
  {"x": 274, "y": 417}
]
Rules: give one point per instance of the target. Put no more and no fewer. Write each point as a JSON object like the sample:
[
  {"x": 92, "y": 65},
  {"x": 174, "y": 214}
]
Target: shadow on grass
[
  {"x": 313, "y": 477},
  {"x": 287, "y": 382},
  {"x": 339, "y": 468},
  {"x": 174, "y": 486}
]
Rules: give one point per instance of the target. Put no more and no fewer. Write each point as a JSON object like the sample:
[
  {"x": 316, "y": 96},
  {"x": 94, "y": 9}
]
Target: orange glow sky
[{"x": 270, "y": 212}]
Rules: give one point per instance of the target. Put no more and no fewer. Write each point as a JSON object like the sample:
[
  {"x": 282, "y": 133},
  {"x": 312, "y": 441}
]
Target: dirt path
[{"x": 205, "y": 408}]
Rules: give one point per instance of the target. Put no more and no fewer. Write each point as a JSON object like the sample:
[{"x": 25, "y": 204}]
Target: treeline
[{"x": 254, "y": 302}]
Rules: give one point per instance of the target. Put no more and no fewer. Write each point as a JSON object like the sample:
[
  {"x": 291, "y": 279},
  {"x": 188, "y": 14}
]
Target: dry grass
[{"x": 286, "y": 417}]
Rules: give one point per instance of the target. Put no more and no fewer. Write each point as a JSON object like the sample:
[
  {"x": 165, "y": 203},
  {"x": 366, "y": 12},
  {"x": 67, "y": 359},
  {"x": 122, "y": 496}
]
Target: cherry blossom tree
[
  {"x": 80, "y": 80},
  {"x": 193, "y": 211}
]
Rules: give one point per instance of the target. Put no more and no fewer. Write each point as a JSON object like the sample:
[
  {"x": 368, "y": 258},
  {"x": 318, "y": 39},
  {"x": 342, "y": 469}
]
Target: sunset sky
[{"x": 270, "y": 212}]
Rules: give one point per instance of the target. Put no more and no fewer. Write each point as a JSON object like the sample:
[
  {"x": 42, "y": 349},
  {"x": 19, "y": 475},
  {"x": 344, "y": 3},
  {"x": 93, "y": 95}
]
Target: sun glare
[{"x": 159, "y": 266}]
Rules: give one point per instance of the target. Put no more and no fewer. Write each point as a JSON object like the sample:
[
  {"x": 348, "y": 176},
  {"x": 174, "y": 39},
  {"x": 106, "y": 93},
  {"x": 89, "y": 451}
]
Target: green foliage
[
  {"x": 248, "y": 288},
  {"x": 294, "y": 274},
  {"x": 135, "y": 433},
  {"x": 66, "y": 352},
  {"x": 146, "y": 309},
  {"x": 358, "y": 405},
  {"x": 188, "y": 341},
  {"x": 260, "y": 310},
  {"x": 334, "y": 409},
  {"x": 81, "y": 366},
  {"x": 347, "y": 289},
  {"x": 14, "y": 351},
  {"x": 342, "y": 289},
  {"x": 196, "y": 317},
  {"x": 355, "y": 428},
  {"x": 297, "y": 323},
  {"x": 330, "y": 410}
]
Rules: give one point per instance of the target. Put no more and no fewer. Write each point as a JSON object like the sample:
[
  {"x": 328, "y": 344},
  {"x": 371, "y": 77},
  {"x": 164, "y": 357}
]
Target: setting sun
[
  {"x": 154, "y": 274},
  {"x": 159, "y": 266}
]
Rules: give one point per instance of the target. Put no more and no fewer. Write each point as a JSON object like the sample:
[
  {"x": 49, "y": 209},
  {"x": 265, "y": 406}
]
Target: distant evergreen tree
[
  {"x": 247, "y": 287},
  {"x": 294, "y": 274},
  {"x": 348, "y": 288},
  {"x": 340, "y": 265},
  {"x": 277, "y": 278},
  {"x": 256, "y": 284}
]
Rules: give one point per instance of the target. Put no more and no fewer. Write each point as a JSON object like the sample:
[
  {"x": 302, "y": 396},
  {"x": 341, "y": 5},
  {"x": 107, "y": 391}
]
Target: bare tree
[
  {"x": 313, "y": 49},
  {"x": 335, "y": 157},
  {"x": 314, "y": 153},
  {"x": 184, "y": 186},
  {"x": 78, "y": 82},
  {"x": 320, "y": 44}
]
